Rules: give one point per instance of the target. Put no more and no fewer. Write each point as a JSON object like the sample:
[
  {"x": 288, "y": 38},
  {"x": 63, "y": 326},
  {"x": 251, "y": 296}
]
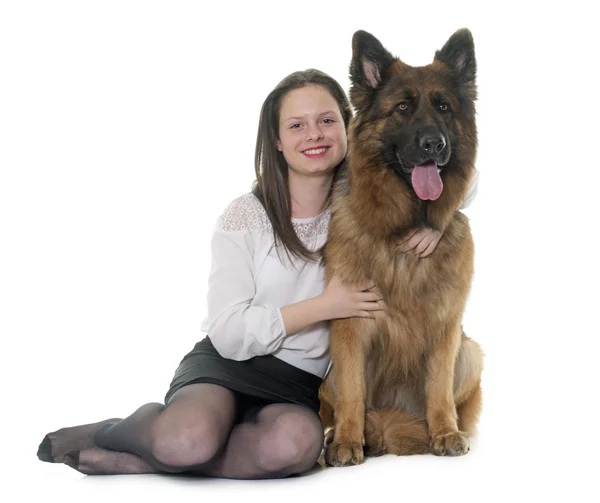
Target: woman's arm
[
  {"x": 240, "y": 330},
  {"x": 339, "y": 300},
  {"x": 471, "y": 191}
]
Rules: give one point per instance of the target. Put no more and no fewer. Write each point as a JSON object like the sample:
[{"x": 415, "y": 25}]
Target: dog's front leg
[
  {"x": 347, "y": 352},
  {"x": 446, "y": 440}
]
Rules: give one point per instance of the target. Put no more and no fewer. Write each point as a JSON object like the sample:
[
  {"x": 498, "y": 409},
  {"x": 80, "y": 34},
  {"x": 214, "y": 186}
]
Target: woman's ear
[{"x": 279, "y": 147}]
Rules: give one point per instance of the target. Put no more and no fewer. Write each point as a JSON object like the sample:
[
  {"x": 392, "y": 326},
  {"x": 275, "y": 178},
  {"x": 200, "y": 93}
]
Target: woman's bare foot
[
  {"x": 55, "y": 445},
  {"x": 98, "y": 461}
]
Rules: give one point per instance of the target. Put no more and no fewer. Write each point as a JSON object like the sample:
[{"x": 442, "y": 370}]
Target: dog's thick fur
[{"x": 407, "y": 381}]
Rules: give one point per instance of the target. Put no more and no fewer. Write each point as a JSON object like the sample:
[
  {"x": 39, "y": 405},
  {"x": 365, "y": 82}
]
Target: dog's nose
[{"x": 432, "y": 144}]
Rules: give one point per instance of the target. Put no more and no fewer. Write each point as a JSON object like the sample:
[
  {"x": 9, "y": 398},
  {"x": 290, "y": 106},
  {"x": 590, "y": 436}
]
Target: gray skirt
[{"x": 257, "y": 382}]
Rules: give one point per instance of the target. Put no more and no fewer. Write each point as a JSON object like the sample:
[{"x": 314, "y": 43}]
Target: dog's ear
[
  {"x": 370, "y": 62},
  {"x": 459, "y": 55}
]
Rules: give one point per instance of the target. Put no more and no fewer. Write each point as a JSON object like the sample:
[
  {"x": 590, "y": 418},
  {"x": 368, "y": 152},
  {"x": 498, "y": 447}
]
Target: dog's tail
[{"x": 395, "y": 432}]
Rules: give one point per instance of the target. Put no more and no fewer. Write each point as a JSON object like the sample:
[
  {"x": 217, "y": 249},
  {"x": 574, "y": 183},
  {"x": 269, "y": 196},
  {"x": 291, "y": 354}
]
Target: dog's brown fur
[{"x": 408, "y": 381}]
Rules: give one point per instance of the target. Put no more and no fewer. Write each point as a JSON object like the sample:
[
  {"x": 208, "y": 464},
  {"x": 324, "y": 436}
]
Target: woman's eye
[
  {"x": 294, "y": 126},
  {"x": 328, "y": 121}
]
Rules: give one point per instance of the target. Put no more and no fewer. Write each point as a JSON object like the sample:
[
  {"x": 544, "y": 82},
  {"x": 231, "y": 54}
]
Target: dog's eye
[
  {"x": 403, "y": 107},
  {"x": 444, "y": 107}
]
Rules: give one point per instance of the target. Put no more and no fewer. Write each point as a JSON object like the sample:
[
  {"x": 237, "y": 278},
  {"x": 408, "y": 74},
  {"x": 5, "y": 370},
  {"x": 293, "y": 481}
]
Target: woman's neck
[{"x": 309, "y": 195}]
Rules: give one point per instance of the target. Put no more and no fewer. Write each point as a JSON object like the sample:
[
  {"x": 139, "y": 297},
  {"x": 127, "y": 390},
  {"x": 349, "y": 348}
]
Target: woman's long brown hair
[{"x": 271, "y": 186}]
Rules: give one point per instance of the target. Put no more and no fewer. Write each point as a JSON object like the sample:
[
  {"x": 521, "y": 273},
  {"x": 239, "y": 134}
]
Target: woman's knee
[
  {"x": 192, "y": 431},
  {"x": 291, "y": 442},
  {"x": 183, "y": 443}
]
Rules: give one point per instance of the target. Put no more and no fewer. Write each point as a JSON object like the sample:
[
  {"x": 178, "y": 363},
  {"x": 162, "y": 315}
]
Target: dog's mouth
[{"x": 425, "y": 177}]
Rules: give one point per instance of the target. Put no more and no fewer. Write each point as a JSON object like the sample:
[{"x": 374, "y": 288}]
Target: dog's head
[{"x": 419, "y": 120}]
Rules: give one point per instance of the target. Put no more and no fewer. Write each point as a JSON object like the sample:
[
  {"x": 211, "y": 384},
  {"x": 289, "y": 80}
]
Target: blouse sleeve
[
  {"x": 238, "y": 329},
  {"x": 471, "y": 191}
]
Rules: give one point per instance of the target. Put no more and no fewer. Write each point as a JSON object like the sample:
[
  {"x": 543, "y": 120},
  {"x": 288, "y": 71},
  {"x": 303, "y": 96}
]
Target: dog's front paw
[
  {"x": 455, "y": 443},
  {"x": 344, "y": 454}
]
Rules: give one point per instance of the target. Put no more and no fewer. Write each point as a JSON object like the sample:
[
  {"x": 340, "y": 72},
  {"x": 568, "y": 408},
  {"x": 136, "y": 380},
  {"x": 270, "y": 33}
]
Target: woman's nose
[{"x": 314, "y": 133}]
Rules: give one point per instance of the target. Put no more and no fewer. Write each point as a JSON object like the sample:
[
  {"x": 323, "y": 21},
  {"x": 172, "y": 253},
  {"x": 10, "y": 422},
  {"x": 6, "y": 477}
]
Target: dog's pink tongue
[{"x": 427, "y": 181}]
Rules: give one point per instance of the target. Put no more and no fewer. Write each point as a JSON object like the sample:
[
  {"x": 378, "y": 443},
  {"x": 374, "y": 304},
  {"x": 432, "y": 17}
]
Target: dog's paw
[
  {"x": 374, "y": 445},
  {"x": 375, "y": 448},
  {"x": 344, "y": 454},
  {"x": 451, "y": 444}
]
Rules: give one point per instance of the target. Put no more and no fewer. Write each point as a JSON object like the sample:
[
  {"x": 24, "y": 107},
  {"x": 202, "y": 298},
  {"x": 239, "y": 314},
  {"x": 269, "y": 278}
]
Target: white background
[{"x": 127, "y": 127}]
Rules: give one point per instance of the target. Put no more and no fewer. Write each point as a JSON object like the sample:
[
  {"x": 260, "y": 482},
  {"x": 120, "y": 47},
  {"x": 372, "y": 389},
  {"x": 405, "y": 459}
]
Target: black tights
[{"x": 194, "y": 433}]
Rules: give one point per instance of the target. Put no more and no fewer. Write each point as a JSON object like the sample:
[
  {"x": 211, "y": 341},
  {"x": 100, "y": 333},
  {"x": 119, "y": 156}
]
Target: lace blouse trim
[{"x": 247, "y": 213}]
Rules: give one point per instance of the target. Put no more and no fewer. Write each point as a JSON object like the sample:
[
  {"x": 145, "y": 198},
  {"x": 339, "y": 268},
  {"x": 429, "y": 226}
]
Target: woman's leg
[
  {"x": 285, "y": 440},
  {"x": 183, "y": 436},
  {"x": 57, "y": 444}
]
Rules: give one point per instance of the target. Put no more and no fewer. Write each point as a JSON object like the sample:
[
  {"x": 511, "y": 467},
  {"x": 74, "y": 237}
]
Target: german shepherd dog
[{"x": 408, "y": 381}]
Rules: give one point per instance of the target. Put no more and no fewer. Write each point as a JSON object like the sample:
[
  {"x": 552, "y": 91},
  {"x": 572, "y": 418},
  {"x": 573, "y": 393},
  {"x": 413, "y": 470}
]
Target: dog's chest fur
[{"x": 421, "y": 295}]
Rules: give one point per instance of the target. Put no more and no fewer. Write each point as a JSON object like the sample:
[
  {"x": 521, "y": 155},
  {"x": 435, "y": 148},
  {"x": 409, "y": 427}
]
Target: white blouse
[{"x": 248, "y": 286}]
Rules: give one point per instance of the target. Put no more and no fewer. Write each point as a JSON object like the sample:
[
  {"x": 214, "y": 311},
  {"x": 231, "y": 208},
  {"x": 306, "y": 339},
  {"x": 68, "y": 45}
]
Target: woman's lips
[{"x": 315, "y": 153}]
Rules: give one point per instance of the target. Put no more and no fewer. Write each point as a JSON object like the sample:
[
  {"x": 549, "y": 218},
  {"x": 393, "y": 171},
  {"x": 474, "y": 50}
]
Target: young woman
[{"x": 244, "y": 402}]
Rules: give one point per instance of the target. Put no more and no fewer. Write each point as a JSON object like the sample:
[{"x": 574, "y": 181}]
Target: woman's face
[{"x": 312, "y": 135}]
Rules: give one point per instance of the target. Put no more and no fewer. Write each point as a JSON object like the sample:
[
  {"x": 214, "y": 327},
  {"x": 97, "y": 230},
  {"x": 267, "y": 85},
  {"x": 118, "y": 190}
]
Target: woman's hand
[
  {"x": 422, "y": 241},
  {"x": 341, "y": 300}
]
